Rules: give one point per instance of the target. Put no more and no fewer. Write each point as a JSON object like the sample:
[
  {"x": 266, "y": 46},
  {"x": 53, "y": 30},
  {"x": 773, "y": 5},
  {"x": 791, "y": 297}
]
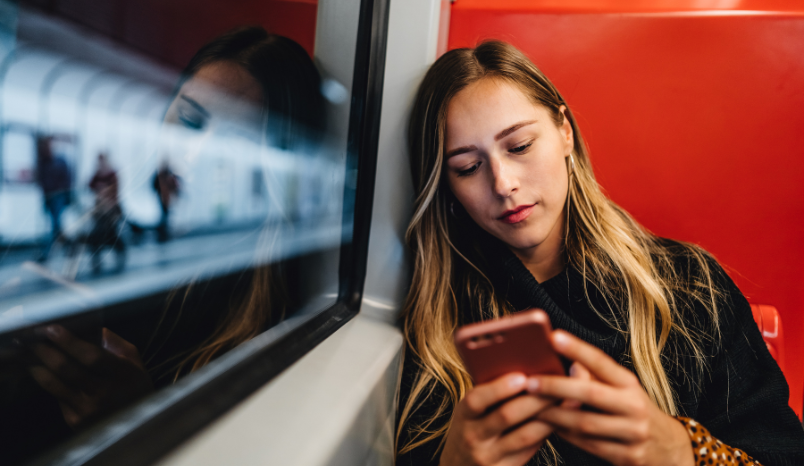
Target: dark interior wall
[{"x": 172, "y": 30}]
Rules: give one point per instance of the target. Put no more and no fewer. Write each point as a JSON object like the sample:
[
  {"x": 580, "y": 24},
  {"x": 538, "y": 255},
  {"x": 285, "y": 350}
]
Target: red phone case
[{"x": 515, "y": 343}]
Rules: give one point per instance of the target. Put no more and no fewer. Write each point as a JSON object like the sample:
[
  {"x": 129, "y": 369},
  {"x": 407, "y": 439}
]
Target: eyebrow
[
  {"x": 513, "y": 128},
  {"x": 460, "y": 150},
  {"x": 196, "y": 105},
  {"x": 500, "y": 135}
]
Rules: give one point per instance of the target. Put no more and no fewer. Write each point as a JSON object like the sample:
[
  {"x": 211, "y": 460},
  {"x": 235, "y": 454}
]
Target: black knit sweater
[{"x": 742, "y": 400}]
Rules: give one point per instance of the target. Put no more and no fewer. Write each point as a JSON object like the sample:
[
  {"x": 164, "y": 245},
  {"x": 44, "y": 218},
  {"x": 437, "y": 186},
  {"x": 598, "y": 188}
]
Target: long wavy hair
[
  {"x": 293, "y": 112},
  {"x": 629, "y": 265}
]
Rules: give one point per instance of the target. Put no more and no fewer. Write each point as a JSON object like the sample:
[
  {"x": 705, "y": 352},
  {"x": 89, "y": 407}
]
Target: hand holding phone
[
  {"x": 89, "y": 380},
  {"x": 495, "y": 422},
  {"x": 516, "y": 343}
]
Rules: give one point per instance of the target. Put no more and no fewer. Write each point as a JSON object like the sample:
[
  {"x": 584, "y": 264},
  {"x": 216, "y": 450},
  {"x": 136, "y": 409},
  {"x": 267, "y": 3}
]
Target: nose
[{"x": 504, "y": 180}]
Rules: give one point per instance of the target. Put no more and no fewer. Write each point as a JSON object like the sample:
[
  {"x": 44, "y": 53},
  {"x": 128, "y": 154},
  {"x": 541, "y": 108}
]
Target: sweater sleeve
[
  {"x": 709, "y": 450},
  {"x": 744, "y": 402}
]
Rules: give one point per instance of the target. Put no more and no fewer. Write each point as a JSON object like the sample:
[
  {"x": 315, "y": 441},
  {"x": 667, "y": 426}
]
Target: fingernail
[
  {"x": 573, "y": 371},
  {"x": 560, "y": 339},
  {"x": 533, "y": 385},
  {"x": 517, "y": 381},
  {"x": 53, "y": 330}
]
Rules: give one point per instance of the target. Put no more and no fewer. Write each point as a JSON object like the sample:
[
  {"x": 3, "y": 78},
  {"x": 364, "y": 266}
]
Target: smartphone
[{"x": 516, "y": 343}]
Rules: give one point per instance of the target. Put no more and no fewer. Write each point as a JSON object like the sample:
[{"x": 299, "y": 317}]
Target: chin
[{"x": 522, "y": 241}]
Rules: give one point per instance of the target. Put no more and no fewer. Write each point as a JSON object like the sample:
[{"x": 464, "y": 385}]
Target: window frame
[{"x": 145, "y": 432}]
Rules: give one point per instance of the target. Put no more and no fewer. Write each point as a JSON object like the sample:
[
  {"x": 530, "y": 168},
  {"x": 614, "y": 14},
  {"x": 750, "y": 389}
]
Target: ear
[{"x": 566, "y": 131}]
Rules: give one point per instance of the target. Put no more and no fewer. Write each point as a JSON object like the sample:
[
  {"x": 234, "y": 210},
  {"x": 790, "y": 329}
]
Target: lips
[{"x": 516, "y": 215}]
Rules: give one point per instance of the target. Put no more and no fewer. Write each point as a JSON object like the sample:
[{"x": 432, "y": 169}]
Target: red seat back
[{"x": 770, "y": 325}]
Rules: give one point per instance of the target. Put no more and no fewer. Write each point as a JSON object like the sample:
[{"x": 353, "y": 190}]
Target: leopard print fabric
[{"x": 710, "y": 451}]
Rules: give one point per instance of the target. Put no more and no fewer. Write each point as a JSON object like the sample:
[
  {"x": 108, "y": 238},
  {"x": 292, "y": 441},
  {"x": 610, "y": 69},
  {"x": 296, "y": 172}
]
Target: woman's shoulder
[
  {"x": 691, "y": 264},
  {"x": 704, "y": 293}
]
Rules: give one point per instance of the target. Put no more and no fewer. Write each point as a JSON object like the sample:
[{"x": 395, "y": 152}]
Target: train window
[{"x": 184, "y": 205}]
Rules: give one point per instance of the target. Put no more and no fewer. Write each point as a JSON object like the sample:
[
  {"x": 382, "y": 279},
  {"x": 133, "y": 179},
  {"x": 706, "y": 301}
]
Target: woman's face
[
  {"x": 505, "y": 163},
  {"x": 220, "y": 101}
]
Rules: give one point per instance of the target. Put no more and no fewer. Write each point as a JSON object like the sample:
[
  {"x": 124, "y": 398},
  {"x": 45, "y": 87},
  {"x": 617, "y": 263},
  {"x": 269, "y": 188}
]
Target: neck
[{"x": 545, "y": 260}]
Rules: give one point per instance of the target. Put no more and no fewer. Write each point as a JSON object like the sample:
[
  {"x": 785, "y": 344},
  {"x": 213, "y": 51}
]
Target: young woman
[
  {"x": 248, "y": 83},
  {"x": 261, "y": 86},
  {"x": 668, "y": 365}
]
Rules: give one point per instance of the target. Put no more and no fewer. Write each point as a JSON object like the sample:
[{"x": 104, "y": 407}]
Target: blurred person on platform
[
  {"x": 54, "y": 177},
  {"x": 107, "y": 215},
  {"x": 166, "y": 185}
]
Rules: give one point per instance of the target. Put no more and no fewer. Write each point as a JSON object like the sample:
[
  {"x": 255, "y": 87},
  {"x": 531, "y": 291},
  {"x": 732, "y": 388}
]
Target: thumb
[{"x": 119, "y": 347}]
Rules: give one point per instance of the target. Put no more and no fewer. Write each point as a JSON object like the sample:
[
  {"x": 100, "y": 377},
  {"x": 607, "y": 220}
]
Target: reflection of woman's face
[
  {"x": 506, "y": 163},
  {"x": 221, "y": 98}
]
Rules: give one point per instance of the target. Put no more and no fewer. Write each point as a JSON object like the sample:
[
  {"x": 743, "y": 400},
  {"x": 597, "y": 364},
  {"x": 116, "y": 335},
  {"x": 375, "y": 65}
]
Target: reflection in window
[{"x": 152, "y": 218}]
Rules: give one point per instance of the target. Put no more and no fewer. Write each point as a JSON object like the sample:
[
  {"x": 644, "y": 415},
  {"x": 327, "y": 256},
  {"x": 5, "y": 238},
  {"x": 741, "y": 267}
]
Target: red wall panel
[{"x": 694, "y": 123}]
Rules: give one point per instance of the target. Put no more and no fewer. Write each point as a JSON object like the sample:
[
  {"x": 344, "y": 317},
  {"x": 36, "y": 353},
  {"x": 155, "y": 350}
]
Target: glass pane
[{"x": 172, "y": 185}]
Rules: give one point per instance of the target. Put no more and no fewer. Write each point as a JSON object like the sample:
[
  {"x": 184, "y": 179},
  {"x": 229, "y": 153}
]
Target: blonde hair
[
  {"x": 262, "y": 305},
  {"x": 628, "y": 264}
]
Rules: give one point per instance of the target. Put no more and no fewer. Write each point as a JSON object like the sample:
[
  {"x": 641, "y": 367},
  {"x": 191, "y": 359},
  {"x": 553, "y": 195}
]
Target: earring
[
  {"x": 452, "y": 208},
  {"x": 572, "y": 163}
]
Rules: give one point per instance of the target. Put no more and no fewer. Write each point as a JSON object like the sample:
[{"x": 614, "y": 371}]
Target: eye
[
  {"x": 520, "y": 149},
  {"x": 469, "y": 170},
  {"x": 192, "y": 120}
]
